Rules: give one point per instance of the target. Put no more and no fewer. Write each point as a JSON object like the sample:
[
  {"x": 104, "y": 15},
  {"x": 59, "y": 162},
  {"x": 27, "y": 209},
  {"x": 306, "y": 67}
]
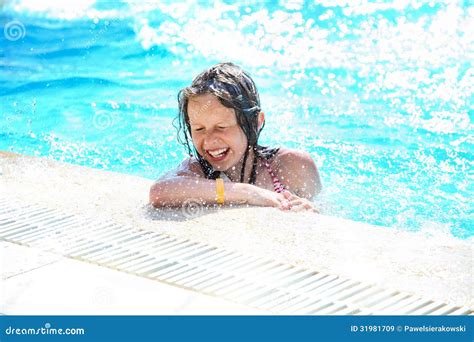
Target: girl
[{"x": 220, "y": 115}]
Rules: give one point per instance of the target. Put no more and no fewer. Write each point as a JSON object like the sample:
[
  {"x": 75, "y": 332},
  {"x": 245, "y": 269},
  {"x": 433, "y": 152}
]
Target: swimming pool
[{"x": 380, "y": 94}]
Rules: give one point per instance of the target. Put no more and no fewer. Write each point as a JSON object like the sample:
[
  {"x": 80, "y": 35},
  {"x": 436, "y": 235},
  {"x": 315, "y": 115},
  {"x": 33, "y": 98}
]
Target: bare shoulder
[
  {"x": 298, "y": 172},
  {"x": 289, "y": 156},
  {"x": 189, "y": 167}
]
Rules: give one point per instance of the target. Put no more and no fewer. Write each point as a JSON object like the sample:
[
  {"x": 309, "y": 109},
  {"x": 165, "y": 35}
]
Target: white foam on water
[{"x": 63, "y": 10}]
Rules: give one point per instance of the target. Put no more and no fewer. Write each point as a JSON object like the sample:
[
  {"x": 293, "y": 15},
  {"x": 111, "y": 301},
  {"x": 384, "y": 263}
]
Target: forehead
[{"x": 207, "y": 108}]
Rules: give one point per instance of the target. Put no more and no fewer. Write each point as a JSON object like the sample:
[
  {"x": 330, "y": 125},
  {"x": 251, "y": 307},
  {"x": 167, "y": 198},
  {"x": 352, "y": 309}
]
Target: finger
[
  {"x": 287, "y": 194},
  {"x": 299, "y": 207},
  {"x": 285, "y": 205},
  {"x": 290, "y": 196},
  {"x": 296, "y": 201},
  {"x": 303, "y": 206},
  {"x": 309, "y": 206}
]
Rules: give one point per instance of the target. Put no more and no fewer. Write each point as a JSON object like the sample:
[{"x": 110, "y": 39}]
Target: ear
[{"x": 261, "y": 119}]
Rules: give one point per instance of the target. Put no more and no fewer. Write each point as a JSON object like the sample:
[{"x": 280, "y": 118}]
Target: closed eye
[{"x": 201, "y": 129}]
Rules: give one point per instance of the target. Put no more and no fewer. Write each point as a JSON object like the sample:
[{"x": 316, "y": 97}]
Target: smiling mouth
[{"x": 218, "y": 154}]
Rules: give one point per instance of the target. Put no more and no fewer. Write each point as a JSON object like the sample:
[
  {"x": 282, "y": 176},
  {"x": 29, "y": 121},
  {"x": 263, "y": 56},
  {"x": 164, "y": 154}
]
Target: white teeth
[{"x": 217, "y": 153}]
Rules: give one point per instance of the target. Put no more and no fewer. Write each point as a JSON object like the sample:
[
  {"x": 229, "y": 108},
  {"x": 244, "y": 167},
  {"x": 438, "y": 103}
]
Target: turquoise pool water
[{"x": 380, "y": 94}]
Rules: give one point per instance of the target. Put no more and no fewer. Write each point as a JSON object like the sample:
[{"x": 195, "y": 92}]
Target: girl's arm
[
  {"x": 187, "y": 183},
  {"x": 176, "y": 191}
]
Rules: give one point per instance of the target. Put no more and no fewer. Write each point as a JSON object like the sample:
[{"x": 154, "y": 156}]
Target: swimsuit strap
[{"x": 276, "y": 183}]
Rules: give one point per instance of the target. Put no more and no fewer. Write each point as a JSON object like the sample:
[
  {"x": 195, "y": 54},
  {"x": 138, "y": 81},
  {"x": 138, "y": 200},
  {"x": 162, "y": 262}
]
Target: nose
[{"x": 210, "y": 140}]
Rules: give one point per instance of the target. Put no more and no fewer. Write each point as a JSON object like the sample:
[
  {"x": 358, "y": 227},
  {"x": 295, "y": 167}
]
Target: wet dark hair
[{"x": 235, "y": 89}]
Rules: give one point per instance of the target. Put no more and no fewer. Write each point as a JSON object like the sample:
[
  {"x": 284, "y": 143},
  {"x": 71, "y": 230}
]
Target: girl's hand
[
  {"x": 267, "y": 198},
  {"x": 298, "y": 203}
]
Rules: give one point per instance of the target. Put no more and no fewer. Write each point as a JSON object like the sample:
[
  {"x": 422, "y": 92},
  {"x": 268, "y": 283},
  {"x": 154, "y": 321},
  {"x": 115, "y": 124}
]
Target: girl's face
[{"x": 215, "y": 132}]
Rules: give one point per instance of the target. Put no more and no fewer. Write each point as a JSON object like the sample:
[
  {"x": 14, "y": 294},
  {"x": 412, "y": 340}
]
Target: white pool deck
[{"x": 34, "y": 281}]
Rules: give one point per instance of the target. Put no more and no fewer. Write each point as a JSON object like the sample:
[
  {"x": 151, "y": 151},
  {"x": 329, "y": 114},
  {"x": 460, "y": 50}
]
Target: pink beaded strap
[{"x": 276, "y": 183}]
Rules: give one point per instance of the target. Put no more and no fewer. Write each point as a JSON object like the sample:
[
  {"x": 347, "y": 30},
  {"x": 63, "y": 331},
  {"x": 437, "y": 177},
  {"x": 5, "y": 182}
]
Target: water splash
[{"x": 379, "y": 93}]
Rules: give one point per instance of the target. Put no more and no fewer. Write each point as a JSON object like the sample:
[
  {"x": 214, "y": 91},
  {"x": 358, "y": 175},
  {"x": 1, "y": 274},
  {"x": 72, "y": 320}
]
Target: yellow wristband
[{"x": 220, "y": 191}]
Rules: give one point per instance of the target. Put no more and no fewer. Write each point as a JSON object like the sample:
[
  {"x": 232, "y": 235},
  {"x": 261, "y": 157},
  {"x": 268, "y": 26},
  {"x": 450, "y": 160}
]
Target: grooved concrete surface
[{"x": 39, "y": 283}]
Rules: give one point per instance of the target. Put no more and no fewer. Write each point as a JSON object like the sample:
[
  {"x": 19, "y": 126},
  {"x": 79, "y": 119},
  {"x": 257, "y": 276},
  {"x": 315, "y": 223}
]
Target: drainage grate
[{"x": 257, "y": 282}]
